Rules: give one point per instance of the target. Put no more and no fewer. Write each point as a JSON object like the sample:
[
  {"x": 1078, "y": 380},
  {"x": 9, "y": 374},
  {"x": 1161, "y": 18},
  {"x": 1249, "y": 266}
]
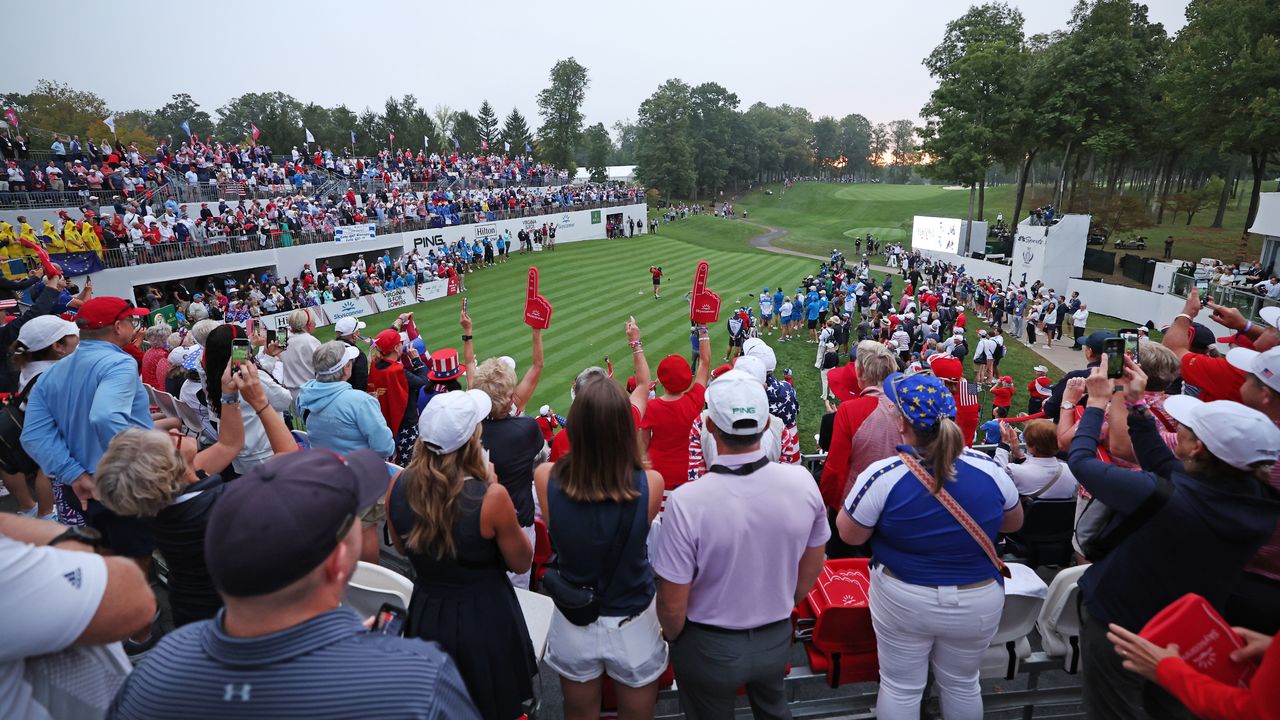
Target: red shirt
[
  {"x": 1001, "y": 396},
  {"x": 1216, "y": 378},
  {"x": 670, "y": 421},
  {"x": 657, "y": 274},
  {"x": 1212, "y": 700}
]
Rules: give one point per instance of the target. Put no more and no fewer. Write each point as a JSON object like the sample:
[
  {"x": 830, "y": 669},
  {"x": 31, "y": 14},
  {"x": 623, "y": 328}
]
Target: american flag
[{"x": 966, "y": 396}]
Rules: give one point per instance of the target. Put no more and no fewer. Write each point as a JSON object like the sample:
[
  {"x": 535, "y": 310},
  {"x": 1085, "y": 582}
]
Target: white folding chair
[
  {"x": 167, "y": 404},
  {"x": 372, "y": 585},
  {"x": 1059, "y": 622},
  {"x": 190, "y": 418},
  {"x": 1024, "y": 595},
  {"x": 151, "y": 395},
  {"x": 538, "y": 610}
]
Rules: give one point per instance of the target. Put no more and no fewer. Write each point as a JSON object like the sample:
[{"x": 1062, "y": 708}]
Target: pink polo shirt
[{"x": 737, "y": 540}]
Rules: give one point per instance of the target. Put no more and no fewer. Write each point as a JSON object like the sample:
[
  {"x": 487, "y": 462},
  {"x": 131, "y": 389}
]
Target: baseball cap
[
  {"x": 674, "y": 373},
  {"x": 451, "y": 418},
  {"x": 844, "y": 381},
  {"x": 100, "y": 312},
  {"x": 331, "y": 357},
  {"x": 1270, "y": 315},
  {"x": 737, "y": 404},
  {"x": 1096, "y": 338},
  {"x": 281, "y": 519},
  {"x": 752, "y": 366},
  {"x": 387, "y": 340},
  {"x": 178, "y": 355},
  {"x": 1040, "y": 369},
  {"x": 923, "y": 399},
  {"x": 45, "y": 330},
  {"x": 1237, "y": 435},
  {"x": 347, "y": 326},
  {"x": 1266, "y": 365},
  {"x": 946, "y": 367},
  {"x": 1202, "y": 337}
]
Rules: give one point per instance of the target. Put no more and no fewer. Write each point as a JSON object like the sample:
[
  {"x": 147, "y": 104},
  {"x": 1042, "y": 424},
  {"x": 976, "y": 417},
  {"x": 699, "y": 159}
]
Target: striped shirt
[{"x": 326, "y": 667}]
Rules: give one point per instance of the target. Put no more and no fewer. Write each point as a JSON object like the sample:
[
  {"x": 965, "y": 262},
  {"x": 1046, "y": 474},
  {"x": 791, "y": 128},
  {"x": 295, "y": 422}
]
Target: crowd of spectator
[{"x": 686, "y": 530}]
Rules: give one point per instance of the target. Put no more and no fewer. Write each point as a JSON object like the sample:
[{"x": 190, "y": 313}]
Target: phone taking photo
[
  {"x": 1130, "y": 337},
  {"x": 239, "y": 352},
  {"x": 1202, "y": 287},
  {"x": 1114, "y": 348},
  {"x": 389, "y": 620}
]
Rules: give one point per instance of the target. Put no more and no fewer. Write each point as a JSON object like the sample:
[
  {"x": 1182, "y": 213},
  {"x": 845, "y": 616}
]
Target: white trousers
[{"x": 920, "y": 627}]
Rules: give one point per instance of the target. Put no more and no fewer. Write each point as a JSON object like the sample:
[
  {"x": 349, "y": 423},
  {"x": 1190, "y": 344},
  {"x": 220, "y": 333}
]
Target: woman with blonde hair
[
  {"x": 598, "y": 501},
  {"x": 931, "y": 513},
  {"x": 458, "y": 527}
]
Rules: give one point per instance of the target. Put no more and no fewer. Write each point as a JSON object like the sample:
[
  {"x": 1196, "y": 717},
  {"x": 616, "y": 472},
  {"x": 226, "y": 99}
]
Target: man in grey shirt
[{"x": 297, "y": 356}]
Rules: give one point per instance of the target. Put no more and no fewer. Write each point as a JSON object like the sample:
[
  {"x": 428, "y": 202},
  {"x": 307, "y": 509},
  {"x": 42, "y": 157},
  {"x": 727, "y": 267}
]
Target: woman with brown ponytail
[
  {"x": 931, "y": 513},
  {"x": 458, "y": 527}
]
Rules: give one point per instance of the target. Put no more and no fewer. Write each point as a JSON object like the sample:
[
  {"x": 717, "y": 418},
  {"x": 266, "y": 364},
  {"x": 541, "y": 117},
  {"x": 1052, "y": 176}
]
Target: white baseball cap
[
  {"x": 1270, "y": 315},
  {"x": 752, "y": 366},
  {"x": 347, "y": 326},
  {"x": 736, "y": 403},
  {"x": 451, "y": 418},
  {"x": 508, "y": 361},
  {"x": 331, "y": 357},
  {"x": 1237, "y": 435},
  {"x": 1040, "y": 369},
  {"x": 757, "y": 348},
  {"x": 45, "y": 330},
  {"x": 1266, "y": 365}
]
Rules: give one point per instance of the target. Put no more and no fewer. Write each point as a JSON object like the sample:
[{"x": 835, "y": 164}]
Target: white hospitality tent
[
  {"x": 1267, "y": 224},
  {"x": 617, "y": 173}
]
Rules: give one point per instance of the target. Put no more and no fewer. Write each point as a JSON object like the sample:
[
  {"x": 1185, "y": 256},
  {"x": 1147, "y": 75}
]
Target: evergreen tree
[
  {"x": 515, "y": 132},
  {"x": 488, "y": 125}
]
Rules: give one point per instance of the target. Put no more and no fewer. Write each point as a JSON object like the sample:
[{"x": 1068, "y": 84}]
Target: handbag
[
  {"x": 13, "y": 457},
  {"x": 959, "y": 513},
  {"x": 580, "y": 604}
]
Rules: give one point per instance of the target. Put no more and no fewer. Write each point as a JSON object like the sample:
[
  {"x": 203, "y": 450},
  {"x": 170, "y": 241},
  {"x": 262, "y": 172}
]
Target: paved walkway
[{"x": 1060, "y": 355}]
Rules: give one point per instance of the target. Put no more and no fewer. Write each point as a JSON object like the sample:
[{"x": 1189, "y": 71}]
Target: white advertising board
[{"x": 936, "y": 234}]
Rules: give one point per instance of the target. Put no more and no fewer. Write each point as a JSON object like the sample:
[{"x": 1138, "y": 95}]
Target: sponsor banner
[
  {"x": 484, "y": 230},
  {"x": 537, "y": 247},
  {"x": 453, "y": 286},
  {"x": 352, "y": 307},
  {"x": 433, "y": 290},
  {"x": 566, "y": 220},
  {"x": 595, "y": 217},
  {"x": 392, "y": 299},
  {"x": 351, "y": 233},
  {"x": 167, "y": 315}
]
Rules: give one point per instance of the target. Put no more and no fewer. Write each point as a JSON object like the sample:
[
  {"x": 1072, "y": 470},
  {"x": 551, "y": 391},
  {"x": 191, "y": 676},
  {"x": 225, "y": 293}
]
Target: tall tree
[
  {"x": 826, "y": 143},
  {"x": 515, "y": 132},
  {"x": 560, "y": 106},
  {"x": 596, "y": 139},
  {"x": 444, "y": 117},
  {"x": 713, "y": 111},
  {"x": 1225, "y": 73},
  {"x": 855, "y": 143},
  {"x": 624, "y": 152},
  {"x": 487, "y": 122},
  {"x": 167, "y": 121},
  {"x": 664, "y": 143},
  {"x": 903, "y": 147},
  {"x": 466, "y": 130},
  {"x": 277, "y": 115}
]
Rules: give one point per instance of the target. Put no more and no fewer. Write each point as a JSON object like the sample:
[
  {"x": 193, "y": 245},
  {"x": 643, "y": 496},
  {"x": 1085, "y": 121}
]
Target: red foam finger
[
  {"x": 50, "y": 268},
  {"x": 532, "y": 291}
]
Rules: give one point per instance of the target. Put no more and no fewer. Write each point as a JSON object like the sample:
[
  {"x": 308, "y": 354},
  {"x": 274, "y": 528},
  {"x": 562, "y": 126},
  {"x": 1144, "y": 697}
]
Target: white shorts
[{"x": 633, "y": 655}]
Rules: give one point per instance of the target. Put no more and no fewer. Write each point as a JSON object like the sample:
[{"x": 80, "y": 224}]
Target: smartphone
[
  {"x": 282, "y": 339},
  {"x": 1114, "y": 348},
  {"x": 389, "y": 620},
  {"x": 271, "y": 336},
  {"x": 248, "y": 327},
  {"x": 240, "y": 350},
  {"x": 1130, "y": 337},
  {"x": 1202, "y": 287},
  {"x": 464, "y": 304},
  {"x": 404, "y": 339}
]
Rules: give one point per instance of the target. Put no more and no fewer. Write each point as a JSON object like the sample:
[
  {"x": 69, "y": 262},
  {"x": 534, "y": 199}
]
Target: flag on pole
[
  {"x": 186, "y": 127},
  {"x": 426, "y": 141},
  {"x": 506, "y": 147},
  {"x": 353, "y": 138},
  {"x": 110, "y": 122},
  {"x": 254, "y": 129},
  {"x": 456, "y": 144},
  {"x": 310, "y": 138},
  {"x": 11, "y": 116},
  {"x": 484, "y": 144},
  {"x": 527, "y": 148}
]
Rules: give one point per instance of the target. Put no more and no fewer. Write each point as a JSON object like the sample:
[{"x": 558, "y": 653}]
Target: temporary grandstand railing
[
  {"x": 1241, "y": 297},
  {"x": 221, "y": 245}
]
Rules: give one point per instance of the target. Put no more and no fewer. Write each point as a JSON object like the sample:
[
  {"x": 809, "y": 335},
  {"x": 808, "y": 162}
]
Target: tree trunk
[
  {"x": 968, "y": 228},
  {"x": 1225, "y": 195},
  {"x": 982, "y": 197},
  {"x": 1164, "y": 190},
  {"x": 1075, "y": 175},
  {"x": 1061, "y": 187},
  {"x": 1027, "y": 165},
  {"x": 1258, "y": 163}
]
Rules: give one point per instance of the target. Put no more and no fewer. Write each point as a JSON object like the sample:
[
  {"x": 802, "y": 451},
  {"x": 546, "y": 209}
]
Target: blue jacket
[
  {"x": 1198, "y": 542},
  {"x": 343, "y": 419},
  {"x": 79, "y": 405}
]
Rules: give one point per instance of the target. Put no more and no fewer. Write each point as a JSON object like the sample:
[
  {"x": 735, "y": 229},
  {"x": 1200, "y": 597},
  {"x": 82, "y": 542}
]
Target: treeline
[
  {"x": 1121, "y": 119},
  {"x": 695, "y": 141}
]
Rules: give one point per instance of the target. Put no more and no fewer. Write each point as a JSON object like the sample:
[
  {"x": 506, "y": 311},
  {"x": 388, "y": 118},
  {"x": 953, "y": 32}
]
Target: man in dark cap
[{"x": 281, "y": 546}]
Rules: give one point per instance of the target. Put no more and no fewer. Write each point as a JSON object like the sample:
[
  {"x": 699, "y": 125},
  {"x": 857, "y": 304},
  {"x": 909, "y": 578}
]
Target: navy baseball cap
[
  {"x": 280, "y": 520},
  {"x": 1096, "y": 338}
]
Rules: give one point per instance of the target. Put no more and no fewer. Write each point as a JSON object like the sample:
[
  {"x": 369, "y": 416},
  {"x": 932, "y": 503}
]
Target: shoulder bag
[
  {"x": 580, "y": 604},
  {"x": 959, "y": 513}
]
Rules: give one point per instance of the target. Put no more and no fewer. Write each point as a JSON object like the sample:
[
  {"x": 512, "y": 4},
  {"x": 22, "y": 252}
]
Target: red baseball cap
[
  {"x": 103, "y": 311},
  {"x": 947, "y": 368},
  {"x": 387, "y": 340}
]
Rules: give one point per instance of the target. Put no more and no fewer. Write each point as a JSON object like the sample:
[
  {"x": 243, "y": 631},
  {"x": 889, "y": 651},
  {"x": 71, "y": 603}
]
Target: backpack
[{"x": 13, "y": 457}]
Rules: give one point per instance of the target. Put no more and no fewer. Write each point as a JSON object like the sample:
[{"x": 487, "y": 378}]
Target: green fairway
[
  {"x": 819, "y": 216},
  {"x": 594, "y": 286}
]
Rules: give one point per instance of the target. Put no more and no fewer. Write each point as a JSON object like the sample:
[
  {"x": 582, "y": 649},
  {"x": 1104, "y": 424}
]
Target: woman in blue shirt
[{"x": 936, "y": 596}]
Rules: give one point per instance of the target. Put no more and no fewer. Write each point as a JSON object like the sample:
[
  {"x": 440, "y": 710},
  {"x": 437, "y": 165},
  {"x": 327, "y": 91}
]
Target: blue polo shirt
[
  {"x": 916, "y": 536},
  {"x": 326, "y": 667}
]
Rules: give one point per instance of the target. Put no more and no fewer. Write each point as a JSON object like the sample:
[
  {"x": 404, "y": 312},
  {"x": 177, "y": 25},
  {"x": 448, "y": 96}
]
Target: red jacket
[{"x": 1212, "y": 700}]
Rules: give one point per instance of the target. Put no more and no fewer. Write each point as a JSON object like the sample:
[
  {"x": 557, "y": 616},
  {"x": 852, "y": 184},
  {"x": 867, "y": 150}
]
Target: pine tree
[
  {"x": 487, "y": 121},
  {"x": 515, "y": 131}
]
